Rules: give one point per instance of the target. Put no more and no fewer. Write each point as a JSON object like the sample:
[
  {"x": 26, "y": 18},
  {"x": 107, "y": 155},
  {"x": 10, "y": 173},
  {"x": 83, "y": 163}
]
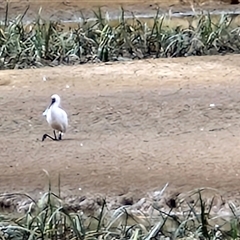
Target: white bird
[{"x": 56, "y": 117}]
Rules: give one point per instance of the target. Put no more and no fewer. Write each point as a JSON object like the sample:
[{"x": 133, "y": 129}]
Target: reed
[
  {"x": 188, "y": 216},
  {"x": 45, "y": 42}
]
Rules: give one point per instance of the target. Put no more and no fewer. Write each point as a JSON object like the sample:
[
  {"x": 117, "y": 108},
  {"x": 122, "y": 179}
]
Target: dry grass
[
  {"x": 99, "y": 3},
  {"x": 189, "y": 215},
  {"x": 48, "y": 43}
]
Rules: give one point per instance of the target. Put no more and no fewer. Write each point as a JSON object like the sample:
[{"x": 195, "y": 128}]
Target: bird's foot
[{"x": 44, "y": 137}]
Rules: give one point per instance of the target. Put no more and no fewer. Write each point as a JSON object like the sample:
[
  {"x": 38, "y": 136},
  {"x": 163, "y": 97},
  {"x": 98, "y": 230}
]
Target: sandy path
[{"x": 133, "y": 126}]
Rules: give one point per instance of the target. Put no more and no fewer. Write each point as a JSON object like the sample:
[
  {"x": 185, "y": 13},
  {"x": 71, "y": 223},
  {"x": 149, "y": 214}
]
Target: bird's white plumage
[
  {"x": 56, "y": 116},
  {"x": 45, "y": 112}
]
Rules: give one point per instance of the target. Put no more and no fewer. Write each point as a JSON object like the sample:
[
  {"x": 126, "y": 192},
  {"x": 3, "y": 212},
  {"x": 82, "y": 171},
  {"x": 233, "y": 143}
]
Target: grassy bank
[
  {"x": 43, "y": 42},
  {"x": 189, "y": 215}
]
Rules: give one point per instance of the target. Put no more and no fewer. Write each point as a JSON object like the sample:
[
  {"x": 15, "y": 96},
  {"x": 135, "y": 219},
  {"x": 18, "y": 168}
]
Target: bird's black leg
[
  {"x": 46, "y": 135},
  {"x": 60, "y": 136},
  {"x": 54, "y": 134}
]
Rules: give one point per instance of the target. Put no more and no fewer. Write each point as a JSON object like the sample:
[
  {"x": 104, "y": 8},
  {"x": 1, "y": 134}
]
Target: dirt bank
[{"x": 133, "y": 126}]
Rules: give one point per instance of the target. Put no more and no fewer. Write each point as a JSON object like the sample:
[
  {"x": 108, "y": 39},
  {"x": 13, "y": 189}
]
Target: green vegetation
[
  {"x": 50, "y": 43},
  {"x": 186, "y": 216}
]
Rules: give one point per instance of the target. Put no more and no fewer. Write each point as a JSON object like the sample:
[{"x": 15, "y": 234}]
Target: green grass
[
  {"x": 192, "y": 215},
  {"x": 189, "y": 215},
  {"x": 45, "y": 42}
]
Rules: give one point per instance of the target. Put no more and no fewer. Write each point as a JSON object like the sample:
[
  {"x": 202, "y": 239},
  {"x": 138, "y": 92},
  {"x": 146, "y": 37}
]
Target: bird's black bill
[{"x": 52, "y": 102}]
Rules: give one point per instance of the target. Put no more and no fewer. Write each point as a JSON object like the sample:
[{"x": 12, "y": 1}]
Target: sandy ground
[{"x": 133, "y": 126}]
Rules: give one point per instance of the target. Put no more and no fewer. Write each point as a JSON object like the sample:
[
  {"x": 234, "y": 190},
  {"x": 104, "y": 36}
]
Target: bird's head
[{"x": 55, "y": 100}]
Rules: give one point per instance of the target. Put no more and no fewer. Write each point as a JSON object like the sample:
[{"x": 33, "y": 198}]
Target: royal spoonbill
[{"x": 56, "y": 117}]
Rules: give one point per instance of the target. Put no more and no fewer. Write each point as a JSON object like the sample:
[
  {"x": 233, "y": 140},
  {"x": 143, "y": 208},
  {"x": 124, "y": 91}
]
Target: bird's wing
[{"x": 45, "y": 112}]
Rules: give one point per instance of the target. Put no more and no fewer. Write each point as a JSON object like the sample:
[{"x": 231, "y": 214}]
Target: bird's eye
[{"x": 53, "y": 100}]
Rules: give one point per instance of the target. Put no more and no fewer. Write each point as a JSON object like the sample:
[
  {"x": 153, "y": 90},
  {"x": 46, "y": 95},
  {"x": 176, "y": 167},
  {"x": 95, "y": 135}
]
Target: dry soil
[{"x": 134, "y": 126}]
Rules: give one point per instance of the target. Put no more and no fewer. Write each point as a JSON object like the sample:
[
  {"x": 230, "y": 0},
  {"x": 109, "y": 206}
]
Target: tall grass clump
[
  {"x": 189, "y": 215},
  {"x": 45, "y": 42}
]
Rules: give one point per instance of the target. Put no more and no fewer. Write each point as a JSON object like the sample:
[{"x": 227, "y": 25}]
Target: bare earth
[{"x": 134, "y": 126}]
